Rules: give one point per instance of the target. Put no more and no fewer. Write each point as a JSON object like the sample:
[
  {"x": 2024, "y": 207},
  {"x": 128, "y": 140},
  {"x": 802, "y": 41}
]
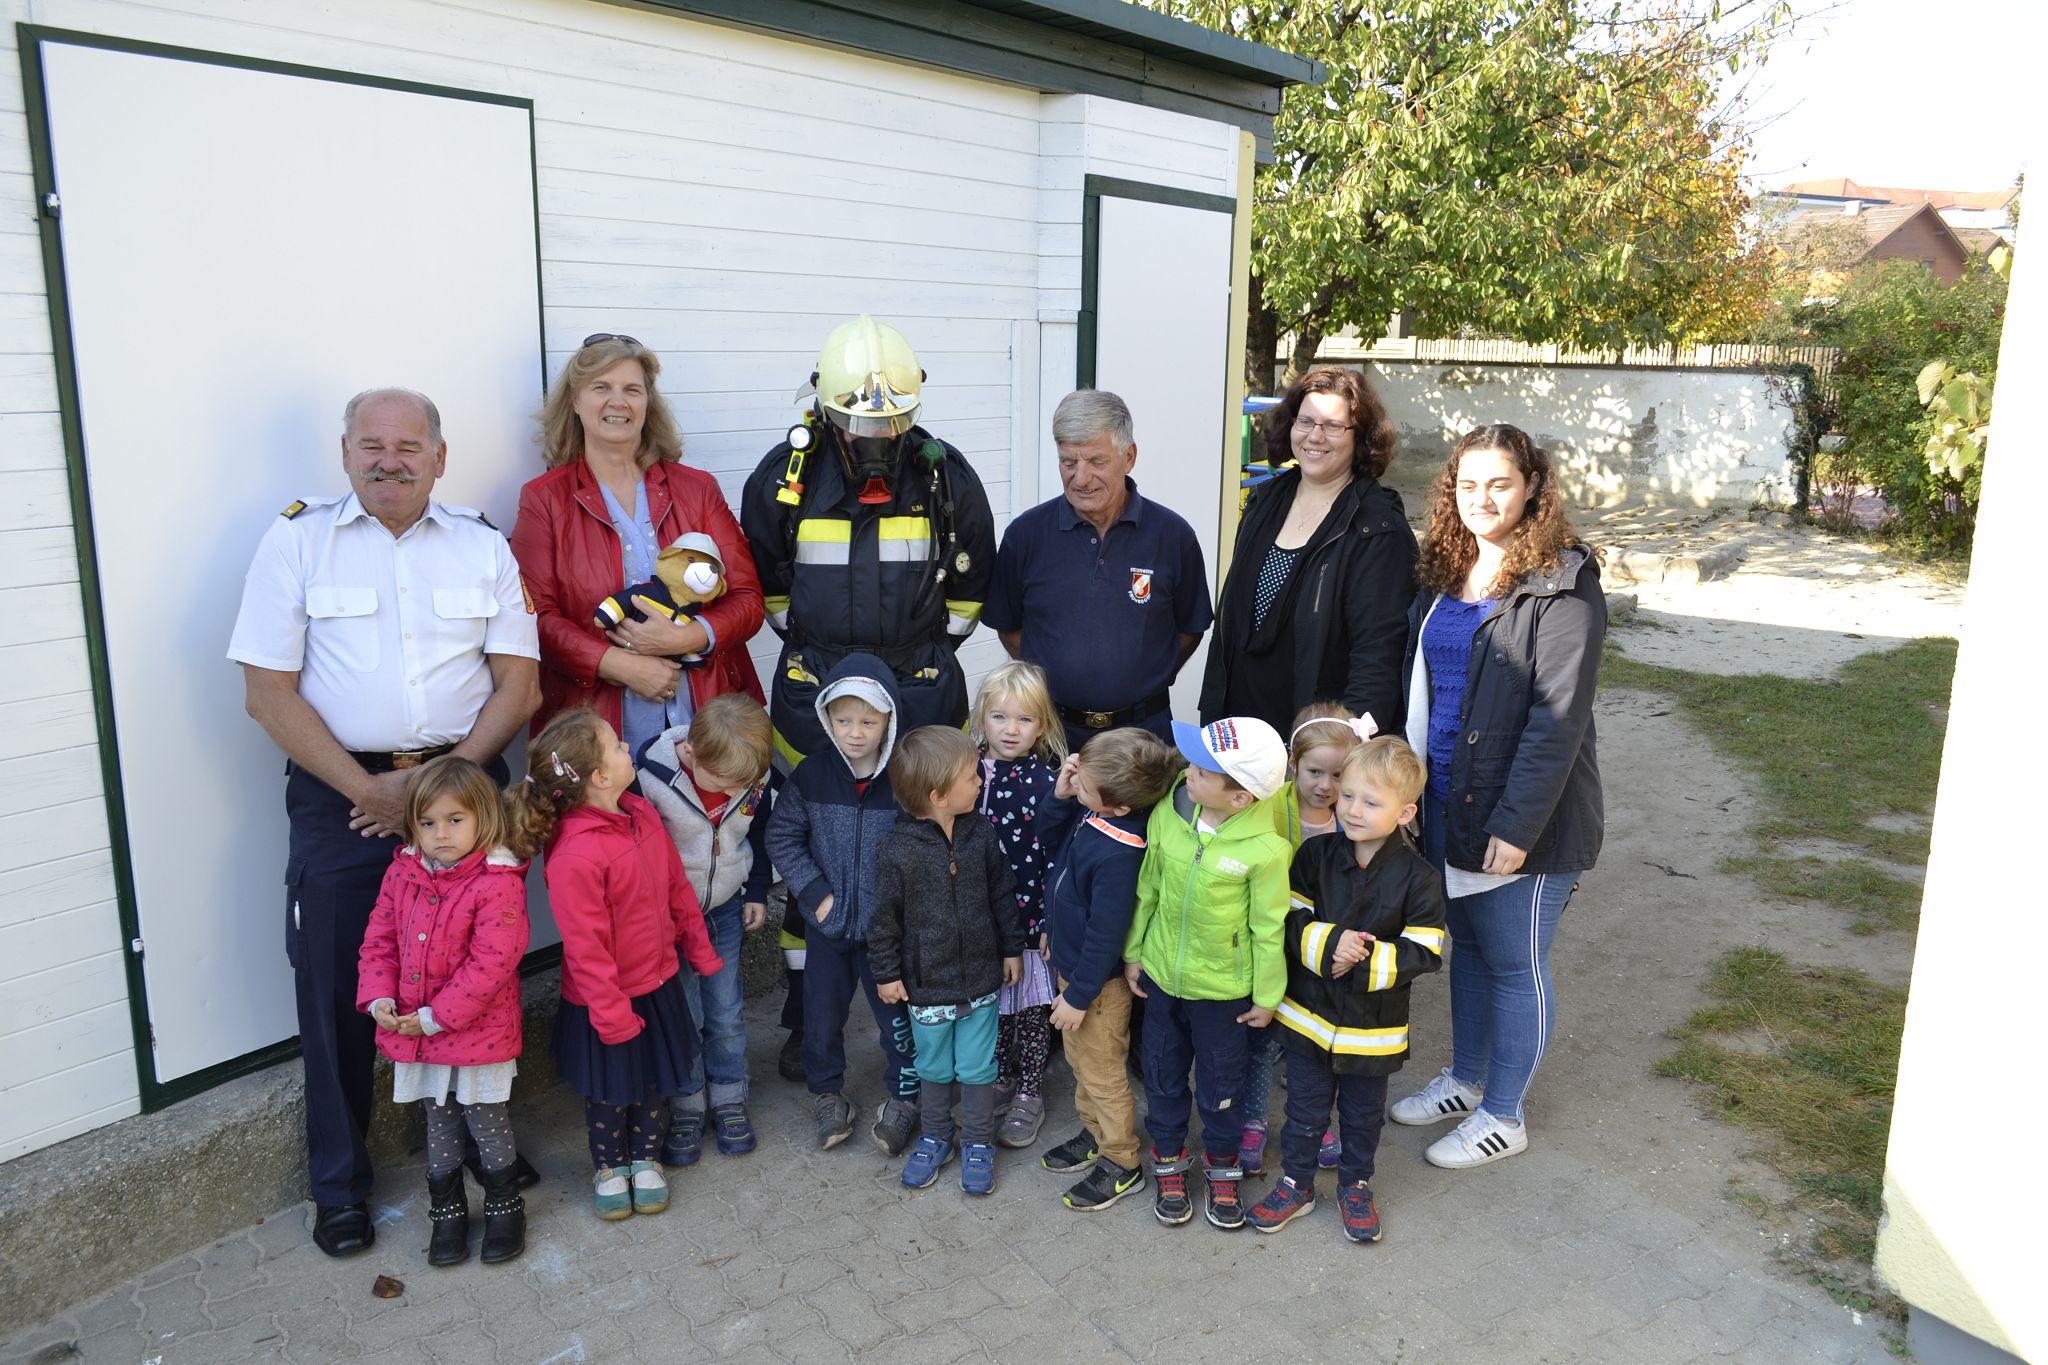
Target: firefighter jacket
[
  {"x": 1357, "y": 1022},
  {"x": 903, "y": 580}
]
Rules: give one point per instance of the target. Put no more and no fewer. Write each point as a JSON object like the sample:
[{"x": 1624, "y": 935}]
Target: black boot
[
  {"x": 504, "y": 1216},
  {"x": 528, "y": 1177},
  {"x": 449, "y": 1214},
  {"x": 789, "y": 1063}
]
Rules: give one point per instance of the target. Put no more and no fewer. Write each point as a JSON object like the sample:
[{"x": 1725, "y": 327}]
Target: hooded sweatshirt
[
  {"x": 723, "y": 857},
  {"x": 828, "y": 824}
]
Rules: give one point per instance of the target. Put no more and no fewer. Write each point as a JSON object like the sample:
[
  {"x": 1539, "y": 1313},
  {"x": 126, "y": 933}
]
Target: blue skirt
[{"x": 648, "y": 1066}]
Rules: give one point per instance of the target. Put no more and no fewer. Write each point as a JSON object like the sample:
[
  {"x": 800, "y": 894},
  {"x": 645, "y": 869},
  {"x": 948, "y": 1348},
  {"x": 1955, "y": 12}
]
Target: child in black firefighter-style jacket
[{"x": 1367, "y": 917}]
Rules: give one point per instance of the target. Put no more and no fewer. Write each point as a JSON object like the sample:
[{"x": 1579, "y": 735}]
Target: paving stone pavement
[
  {"x": 789, "y": 1254},
  {"x": 1612, "y": 1239}
]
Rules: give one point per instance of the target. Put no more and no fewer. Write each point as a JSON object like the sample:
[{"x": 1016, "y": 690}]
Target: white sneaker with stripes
[
  {"x": 1445, "y": 1097},
  {"x": 1477, "y": 1141}
]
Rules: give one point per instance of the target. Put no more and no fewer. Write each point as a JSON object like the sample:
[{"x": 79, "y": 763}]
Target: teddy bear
[{"x": 688, "y": 575}]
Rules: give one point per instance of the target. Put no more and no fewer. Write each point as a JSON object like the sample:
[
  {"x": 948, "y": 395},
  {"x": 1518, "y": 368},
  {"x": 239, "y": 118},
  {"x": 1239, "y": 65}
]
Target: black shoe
[
  {"x": 789, "y": 1063},
  {"x": 1221, "y": 1205},
  {"x": 1105, "y": 1183},
  {"x": 1075, "y": 1154},
  {"x": 343, "y": 1229},
  {"x": 504, "y": 1216},
  {"x": 1170, "y": 1202},
  {"x": 448, "y": 1212},
  {"x": 895, "y": 1121},
  {"x": 522, "y": 1170}
]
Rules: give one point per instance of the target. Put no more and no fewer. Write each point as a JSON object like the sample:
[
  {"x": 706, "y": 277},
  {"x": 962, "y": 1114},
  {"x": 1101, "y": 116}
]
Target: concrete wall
[
  {"x": 1964, "y": 1196},
  {"x": 1622, "y": 434},
  {"x": 726, "y": 196}
]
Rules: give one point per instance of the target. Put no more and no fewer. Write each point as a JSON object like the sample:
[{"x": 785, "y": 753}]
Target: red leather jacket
[{"x": 570, "y": 557}]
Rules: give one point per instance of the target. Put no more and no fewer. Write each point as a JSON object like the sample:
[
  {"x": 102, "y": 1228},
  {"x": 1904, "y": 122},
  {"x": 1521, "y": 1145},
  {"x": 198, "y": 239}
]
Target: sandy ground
[{"x": 1801, "y": 604}]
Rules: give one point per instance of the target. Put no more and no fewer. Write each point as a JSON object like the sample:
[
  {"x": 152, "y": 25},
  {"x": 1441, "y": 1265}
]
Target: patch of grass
[
  {"x": 1832, "y": 752},
  {"x": 1818, "y": 1096},
  {"x": 1877, "y": 899}
]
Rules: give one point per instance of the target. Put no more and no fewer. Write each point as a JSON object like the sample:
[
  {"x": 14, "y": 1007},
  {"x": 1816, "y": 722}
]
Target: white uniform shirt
[{"x": 388, "y": 636}]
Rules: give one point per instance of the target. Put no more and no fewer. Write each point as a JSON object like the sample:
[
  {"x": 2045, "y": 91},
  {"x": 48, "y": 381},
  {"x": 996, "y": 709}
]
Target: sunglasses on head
[{"x": 595, "y": 338}]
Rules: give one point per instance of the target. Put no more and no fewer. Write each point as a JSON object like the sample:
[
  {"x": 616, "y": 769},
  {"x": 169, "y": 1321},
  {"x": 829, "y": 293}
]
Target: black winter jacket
[
  {"x": 1358, "y": 1022},
  {"x": 1524, "y": 768},
  {"x": 945, "y": 913},
  {"x": 1351, "y": 588}
]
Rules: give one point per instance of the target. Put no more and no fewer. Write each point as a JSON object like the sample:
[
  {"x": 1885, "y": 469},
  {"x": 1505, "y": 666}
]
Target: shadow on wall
[{"x": 1621, "y": 435}]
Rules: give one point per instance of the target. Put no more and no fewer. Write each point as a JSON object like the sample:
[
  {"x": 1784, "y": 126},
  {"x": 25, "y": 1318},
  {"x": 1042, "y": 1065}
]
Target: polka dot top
[
  {"x": 1011, "y": 790},
  {"x": 1273, "y": 576}
]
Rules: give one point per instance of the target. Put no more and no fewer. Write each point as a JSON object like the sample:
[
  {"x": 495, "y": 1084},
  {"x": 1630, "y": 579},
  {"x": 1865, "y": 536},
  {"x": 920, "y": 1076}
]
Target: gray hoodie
[{"x": 722, "y": 860}]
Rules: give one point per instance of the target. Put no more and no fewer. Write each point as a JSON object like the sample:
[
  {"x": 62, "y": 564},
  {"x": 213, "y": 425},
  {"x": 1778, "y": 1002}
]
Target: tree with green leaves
[{"x": 1549, "y": 170}]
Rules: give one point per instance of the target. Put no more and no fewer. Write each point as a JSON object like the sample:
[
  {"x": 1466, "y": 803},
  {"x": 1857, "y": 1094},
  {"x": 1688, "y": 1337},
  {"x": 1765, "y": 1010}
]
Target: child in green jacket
[{"x": 1204, "y": 951}]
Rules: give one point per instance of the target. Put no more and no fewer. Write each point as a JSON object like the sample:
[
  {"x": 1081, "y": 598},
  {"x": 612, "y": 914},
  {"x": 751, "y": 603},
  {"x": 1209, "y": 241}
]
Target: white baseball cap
[{"x": 1243, "y": 748}]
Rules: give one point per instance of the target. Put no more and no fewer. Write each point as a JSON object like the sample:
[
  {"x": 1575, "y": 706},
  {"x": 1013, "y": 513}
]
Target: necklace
[{"x": 1307, "y": 513}]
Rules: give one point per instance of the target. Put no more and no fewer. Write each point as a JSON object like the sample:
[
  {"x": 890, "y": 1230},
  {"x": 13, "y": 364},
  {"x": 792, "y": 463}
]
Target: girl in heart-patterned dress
[{"x": 1022, "y": 747}]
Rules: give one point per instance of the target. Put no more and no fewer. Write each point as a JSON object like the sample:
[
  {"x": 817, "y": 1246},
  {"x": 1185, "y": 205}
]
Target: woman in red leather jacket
[{"x": 615, "y": 493}]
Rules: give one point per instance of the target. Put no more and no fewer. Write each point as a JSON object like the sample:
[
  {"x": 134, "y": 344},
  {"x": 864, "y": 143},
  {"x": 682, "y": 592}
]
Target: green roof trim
[{"x": 1087, "y": 47}]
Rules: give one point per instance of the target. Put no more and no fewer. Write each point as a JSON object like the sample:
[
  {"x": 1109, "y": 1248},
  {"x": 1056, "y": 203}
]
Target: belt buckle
[
  {"x": 1097, "y": 720},
  {"x": 409, "y": 759}
]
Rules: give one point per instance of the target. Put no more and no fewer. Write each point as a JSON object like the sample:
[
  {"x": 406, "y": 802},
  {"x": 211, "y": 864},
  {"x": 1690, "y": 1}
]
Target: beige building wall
[{"x": 1966, "y": 1190}]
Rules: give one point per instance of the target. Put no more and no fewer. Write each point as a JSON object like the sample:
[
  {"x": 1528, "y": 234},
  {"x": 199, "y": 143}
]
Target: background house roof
[
  {"x": 1877, "y": 223},
  {"x": 1844, "y": 188}
]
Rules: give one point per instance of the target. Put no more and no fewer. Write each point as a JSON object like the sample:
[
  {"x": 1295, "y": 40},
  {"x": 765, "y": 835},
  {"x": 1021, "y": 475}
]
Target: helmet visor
[{"x": 876, "y": 408}]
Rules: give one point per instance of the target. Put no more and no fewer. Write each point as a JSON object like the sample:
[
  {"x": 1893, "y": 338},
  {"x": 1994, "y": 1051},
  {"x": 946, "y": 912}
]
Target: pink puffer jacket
[{"x": 451, "y": 941}]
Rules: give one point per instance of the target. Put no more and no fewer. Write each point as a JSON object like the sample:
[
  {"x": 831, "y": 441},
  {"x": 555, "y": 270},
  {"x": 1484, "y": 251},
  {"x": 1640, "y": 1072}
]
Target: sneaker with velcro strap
[
  {"x": 1445, "y": 1097},
  {"x": 1284, "y": 1203},
  {"x": 1170, "y": 1202},
  {"x": 1221, "y": 1205},
  {"x": 1361, "y": 1216},
  {"x": 1478, "y": 1141}
]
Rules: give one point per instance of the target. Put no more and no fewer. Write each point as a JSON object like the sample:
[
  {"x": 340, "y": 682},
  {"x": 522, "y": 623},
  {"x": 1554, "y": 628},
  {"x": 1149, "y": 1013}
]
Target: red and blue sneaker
[
  {"x": 1361, "y": 1216},
  {"x": 1251, "y": 1148},
  {"x": 1284, "y": 1203}
]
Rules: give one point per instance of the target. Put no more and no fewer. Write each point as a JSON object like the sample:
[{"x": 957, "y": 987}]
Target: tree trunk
[
  {"x": 1308, "y": 339},
  {"x": 1261, "y": 342}
]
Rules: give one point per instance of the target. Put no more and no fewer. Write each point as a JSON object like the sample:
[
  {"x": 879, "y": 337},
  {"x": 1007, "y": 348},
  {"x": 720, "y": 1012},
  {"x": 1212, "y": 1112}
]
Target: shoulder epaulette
[
  {"x": 451, "y": 508},
  {"x": 1122, "y": 836},
  {"x": 293, "y": 508}
]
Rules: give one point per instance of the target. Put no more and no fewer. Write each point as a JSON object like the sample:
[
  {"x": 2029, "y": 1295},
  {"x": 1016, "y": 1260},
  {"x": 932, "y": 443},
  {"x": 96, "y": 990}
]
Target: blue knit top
[{"x": 1447, "y": 650}]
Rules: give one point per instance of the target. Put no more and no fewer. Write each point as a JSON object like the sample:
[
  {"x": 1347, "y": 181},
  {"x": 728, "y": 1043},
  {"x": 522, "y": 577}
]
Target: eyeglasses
[
  {"x": 597, "y": 337},
  {"x": 1304, "y": 427}
]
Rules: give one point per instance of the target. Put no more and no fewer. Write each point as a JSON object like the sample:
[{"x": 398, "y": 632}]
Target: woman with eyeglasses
[
  {"x": 1315, "y": 604},
  {"x": 616, "y": 492}
]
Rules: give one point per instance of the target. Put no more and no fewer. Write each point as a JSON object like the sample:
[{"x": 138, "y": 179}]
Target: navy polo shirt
[{"x": 1103, "y": 615}]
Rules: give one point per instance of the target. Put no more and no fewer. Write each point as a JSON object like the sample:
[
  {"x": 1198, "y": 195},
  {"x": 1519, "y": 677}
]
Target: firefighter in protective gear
[{"x": 870, "y": 535}]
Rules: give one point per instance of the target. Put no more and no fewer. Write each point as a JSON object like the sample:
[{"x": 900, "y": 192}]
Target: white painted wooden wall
[{"x": 724, "y": 196}]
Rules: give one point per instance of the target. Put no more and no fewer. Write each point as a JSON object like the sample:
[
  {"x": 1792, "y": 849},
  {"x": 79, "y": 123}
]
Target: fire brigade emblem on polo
[{"x": 1141, "y": 586}]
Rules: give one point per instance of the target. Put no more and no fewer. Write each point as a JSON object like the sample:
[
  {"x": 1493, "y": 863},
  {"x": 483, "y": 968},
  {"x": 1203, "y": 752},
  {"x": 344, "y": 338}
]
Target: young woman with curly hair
[{"x": 1503, "y": 652}]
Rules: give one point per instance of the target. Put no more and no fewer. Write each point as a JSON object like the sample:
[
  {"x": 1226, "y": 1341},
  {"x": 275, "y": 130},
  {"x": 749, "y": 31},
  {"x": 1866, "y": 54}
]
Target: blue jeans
[
  {"x": 1361, "y": 1113},
  {"x": 715, "y": 1003},
  {"x": 1503, "y": 1007},
  {"x": 1206, "y": 1033}
]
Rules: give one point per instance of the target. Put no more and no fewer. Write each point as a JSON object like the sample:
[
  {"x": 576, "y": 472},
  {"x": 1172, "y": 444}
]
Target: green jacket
[{"x": 1208, "y": 924}]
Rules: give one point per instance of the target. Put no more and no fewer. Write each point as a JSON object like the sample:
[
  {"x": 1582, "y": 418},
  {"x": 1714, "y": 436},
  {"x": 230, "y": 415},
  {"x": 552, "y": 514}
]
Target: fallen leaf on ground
[{"x": 387, "y": 1288}]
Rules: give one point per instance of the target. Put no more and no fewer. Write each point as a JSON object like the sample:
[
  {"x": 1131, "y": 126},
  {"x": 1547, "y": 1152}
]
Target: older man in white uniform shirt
[{"x": 376, "y": 631}]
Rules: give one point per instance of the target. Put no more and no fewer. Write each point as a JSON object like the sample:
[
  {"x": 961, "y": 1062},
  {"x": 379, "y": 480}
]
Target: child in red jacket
[
  {"x": 624, "y": 1036},
  {"x": 439, "y": 972}
]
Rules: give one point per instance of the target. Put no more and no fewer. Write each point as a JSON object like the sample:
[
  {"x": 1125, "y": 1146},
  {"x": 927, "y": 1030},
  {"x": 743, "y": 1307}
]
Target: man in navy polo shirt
[{"x": 1104, "y": 590}]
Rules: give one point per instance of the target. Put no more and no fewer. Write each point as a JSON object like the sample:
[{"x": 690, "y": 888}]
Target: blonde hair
[
  {"x": 1025, "y": 684},
  {"x": 462, "y": 782},
  {"x": 862, "y": 702},
  {"x": 559, "y": 764},
  {"x": 929, "y": 759},
  {"x": 730, "y": 735},
  {"x": 1131, "y": 767},
  {"x": 561, "y": 430},
  {"x": 1320, "y": 724},
  {"x": 1387, "y": 762}
]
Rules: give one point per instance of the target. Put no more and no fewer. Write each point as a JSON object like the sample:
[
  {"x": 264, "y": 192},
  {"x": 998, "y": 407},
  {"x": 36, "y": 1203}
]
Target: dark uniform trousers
[{"x": 332, "y": 878}]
